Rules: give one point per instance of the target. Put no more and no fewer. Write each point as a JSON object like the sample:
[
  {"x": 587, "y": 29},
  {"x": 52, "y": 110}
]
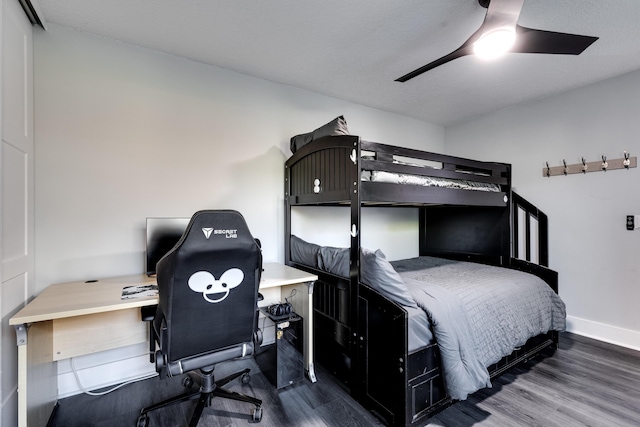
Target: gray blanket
[{"x": 479, "y": 314}]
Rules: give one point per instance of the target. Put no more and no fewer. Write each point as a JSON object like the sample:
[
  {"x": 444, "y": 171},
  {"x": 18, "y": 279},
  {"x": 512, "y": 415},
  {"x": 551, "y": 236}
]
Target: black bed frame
[{"x": 360, "y": 335}]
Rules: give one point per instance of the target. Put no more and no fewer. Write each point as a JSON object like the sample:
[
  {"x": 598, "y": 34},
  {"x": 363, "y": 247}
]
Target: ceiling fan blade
[
  {"x": 505, "y": 14},
  {"x": 463, "y": 50},
  {"x": 530, "y": 40},
  {"x": 502, "y": 13},
  {"x": 499, "y": 13}
]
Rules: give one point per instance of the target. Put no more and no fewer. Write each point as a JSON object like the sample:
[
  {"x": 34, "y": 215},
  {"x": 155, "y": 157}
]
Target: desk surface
[{"x": 80, "y": 298}]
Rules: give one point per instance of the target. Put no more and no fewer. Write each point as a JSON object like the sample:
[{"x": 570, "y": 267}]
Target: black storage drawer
[
  {"x": 423, "y": 361},
  {"x": 424, "y": 392}
]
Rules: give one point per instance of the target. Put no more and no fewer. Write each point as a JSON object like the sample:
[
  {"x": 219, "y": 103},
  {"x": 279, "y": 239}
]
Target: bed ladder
[{"x": 530, "y": 229}]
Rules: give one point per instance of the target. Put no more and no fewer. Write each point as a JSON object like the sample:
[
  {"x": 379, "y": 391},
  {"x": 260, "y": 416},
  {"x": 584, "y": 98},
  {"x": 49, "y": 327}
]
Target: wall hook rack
[{"x": 584, "y": 167}]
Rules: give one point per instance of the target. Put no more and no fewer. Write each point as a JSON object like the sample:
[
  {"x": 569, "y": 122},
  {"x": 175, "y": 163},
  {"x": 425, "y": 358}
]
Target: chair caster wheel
[
  {"x": 143, "y": 421},
  {"x": 246, "y": 378},
  {"x": 257, "y": 415}
]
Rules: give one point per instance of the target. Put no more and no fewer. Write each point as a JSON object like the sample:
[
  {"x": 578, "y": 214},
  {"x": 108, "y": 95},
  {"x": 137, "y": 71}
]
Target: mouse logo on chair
[{"x": 205, "y": 282}]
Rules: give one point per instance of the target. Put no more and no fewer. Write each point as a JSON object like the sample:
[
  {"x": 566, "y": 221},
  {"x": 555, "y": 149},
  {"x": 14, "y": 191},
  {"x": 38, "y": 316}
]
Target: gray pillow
[
  {"x": 334, "y": 260},
  {"x": 380, "y": 275},
  {"x": 337, "y": 126},
  {"x": 304, "y": 252},
  {"x": 375, "y": 271}
]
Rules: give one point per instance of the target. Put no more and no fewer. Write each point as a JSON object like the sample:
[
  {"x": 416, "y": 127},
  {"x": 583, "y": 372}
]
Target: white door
[{"x": 16, "y": 191}]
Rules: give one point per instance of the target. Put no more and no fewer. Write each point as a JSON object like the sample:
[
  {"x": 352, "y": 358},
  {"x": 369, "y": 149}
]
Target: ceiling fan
[{"x": 501, "y": 25}]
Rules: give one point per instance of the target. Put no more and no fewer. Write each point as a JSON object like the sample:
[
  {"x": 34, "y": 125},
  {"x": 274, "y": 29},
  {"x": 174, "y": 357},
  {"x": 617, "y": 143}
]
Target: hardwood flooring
[
  {"x": 324, "y": 403},
  {"x": 585, "y": 383}
]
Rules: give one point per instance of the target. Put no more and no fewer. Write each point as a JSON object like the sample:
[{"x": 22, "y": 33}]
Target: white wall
[
  {"x": 123, "y": 133},
  {"x": 596, "y": 257}
]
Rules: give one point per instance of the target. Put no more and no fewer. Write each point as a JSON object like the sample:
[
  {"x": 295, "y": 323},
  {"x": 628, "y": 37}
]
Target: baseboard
[
  {"x": 111, "y": 367},
  {"x": 602, "y": 332},
  {"x": 104, "y": 369}
]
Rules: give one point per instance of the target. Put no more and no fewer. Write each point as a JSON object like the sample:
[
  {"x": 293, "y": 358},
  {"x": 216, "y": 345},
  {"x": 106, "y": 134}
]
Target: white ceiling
[{"x": 355, "y": 49}]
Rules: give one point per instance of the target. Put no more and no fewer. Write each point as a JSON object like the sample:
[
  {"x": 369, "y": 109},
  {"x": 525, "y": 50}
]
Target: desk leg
[
  {"x": 311, "y": 373},
  {"x": 37, "y": 376},
  {"x": 305, "y": 309}
]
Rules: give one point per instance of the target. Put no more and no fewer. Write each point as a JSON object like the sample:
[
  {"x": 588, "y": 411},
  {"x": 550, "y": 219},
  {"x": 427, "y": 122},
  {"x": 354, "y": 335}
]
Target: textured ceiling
[{"x": 354, "y": 50}]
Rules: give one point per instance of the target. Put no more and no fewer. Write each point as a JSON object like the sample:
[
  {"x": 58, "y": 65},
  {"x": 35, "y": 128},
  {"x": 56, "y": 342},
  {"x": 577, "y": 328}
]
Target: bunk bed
[{"x": 467, "y": 213}]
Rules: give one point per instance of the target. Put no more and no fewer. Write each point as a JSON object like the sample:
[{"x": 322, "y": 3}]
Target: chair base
[{"x": 209, "y": 388}]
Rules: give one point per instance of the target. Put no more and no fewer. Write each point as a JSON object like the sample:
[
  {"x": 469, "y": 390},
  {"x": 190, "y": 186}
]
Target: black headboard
[{"x": 478, "y": 233}]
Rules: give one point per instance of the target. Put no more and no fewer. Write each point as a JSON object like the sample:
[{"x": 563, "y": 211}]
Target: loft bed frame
[{"x": 363, "y": 334}]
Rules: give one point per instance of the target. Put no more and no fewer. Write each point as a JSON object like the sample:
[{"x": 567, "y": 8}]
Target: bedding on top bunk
[
  {"x": 477, "y": 313},
  {"x": 338, "y": 126},
  {"x": 427, "y": 181}
]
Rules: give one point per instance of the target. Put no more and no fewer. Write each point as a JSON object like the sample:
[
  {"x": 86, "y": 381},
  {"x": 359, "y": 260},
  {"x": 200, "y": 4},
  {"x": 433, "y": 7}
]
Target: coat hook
[
  {"x": 605, "y": 165},
  {"x": 565, "y": 171},
  {"x": 627, "y": 162},
  {"x": 584, "y": 166},
  {"x": 548, "y": 170}
]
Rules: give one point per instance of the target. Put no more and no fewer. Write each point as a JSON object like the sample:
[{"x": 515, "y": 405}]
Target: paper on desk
[{"x": 140, "y": 291}]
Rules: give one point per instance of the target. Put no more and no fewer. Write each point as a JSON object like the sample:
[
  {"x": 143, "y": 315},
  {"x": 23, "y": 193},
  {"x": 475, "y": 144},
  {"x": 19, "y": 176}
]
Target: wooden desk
[{"x": 76, "y": 318}]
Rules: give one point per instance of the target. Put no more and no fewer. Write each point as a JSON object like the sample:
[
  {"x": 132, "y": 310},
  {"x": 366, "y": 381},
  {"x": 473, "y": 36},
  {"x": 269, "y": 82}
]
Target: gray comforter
[{"x": 479, "y": 314}]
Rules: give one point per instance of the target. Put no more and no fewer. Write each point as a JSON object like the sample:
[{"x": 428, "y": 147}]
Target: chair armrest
[{"x": 210, "y": 359}]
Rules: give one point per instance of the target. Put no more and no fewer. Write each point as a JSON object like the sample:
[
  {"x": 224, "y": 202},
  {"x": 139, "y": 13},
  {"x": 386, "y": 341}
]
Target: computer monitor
[{"x": 162, "y": 235}]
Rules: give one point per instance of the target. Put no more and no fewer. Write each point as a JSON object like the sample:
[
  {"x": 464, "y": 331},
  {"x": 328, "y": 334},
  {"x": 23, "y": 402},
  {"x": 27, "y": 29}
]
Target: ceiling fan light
[{"x": 494, "y": 43}]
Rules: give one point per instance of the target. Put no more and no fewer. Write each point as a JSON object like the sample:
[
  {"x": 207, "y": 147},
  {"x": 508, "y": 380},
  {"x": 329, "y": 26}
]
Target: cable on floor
[{"x": 102, "y": 393}]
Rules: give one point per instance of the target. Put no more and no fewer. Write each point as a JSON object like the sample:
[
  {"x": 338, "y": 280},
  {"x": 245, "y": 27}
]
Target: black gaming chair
[{"x": 207, "y": 309}]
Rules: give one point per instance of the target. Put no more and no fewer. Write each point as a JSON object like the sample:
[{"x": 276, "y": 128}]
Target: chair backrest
[{"x": 208, "y": 287}]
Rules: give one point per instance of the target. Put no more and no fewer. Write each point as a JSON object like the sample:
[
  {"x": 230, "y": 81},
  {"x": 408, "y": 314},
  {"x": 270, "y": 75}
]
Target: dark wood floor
[{"x": 585, "y": 383}]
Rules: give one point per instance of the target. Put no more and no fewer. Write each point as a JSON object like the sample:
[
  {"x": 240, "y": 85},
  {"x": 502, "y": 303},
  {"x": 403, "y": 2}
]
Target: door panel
[{"x": 17, "y": 205}]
